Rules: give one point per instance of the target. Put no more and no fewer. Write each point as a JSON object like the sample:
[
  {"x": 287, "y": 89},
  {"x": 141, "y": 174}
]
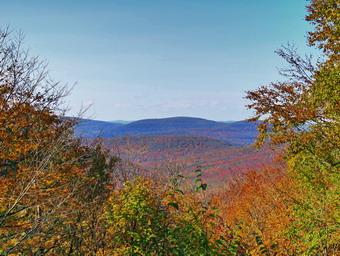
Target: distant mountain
[
  {"x": 236, "y": 133},
  {"x": 166, "y": 126},
  {"x": 88, "y": 128}
]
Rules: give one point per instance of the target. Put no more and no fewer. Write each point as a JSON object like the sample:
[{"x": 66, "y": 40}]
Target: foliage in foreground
[
  {"x": 59, "y": 197},
  {"x": 303, "y": 113}
]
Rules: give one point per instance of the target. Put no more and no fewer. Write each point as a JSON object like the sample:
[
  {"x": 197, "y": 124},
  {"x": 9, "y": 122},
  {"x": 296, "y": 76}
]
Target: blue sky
[{"x": 136, "y": 59}]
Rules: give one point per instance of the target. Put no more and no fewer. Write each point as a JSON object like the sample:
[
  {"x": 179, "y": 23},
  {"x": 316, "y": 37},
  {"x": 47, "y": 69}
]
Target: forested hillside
[
  {"x": 60, "y": 195},
  {"x": 163, "y": 155},
  {"x": 236, "y": 133}
]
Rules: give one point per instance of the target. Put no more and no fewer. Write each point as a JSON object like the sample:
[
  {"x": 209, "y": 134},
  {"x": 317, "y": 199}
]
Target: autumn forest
[{"x": 61, "y": 194}]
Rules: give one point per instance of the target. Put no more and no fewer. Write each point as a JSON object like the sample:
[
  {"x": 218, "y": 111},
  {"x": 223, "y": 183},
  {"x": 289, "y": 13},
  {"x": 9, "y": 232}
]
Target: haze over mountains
[
  {"x": 235, "y": 133},
  {"x": 222, "y": 149}
]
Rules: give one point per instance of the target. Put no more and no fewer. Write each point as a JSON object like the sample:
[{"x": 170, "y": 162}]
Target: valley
[{"x": 180, "y": 144}]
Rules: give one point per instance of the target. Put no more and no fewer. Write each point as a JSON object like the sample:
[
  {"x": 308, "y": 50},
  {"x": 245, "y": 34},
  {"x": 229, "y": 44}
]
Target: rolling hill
[
  {"x": 182, "y": 143},
  {"x": 168, "y": 142},
  {"x": 219, "y": 160},
  {"x": 88, "y": 128},
  {"x": 236, "y": 133}
]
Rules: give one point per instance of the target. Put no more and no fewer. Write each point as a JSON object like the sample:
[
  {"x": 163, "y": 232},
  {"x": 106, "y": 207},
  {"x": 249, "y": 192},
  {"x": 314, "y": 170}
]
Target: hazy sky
[{"x": 136, "y": 59}]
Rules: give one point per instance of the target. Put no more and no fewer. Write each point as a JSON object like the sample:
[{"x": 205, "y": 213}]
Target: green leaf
[
  {"x": 198, "y": 188},
  {"x": 173, "y": 205},
  {"x": 263, "y": 250},
  {"x": 178, "y": 190},
  {"x": 219, "y": 241},
  {"x": 202, "y": 186}
]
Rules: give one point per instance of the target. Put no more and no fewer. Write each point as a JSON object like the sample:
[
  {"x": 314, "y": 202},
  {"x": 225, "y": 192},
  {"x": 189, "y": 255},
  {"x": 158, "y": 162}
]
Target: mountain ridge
[{"x": 236, "y": 133}]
